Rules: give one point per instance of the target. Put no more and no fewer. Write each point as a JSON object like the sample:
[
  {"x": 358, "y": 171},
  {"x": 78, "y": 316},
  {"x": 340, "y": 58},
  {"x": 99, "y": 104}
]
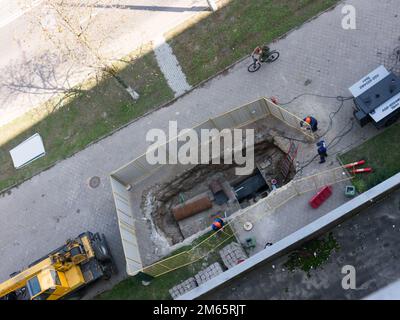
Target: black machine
[
  {"x": 377, "y": 98},
  {"x": 250, "y": 187}
]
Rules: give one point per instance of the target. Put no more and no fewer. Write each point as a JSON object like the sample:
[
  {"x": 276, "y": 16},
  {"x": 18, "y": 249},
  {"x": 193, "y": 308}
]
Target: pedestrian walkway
[{"x": 170, "y": 67}]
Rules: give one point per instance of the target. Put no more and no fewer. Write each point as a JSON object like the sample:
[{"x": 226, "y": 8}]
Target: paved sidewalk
[
  {"x": 170, "y": 67},
  {"x": 58, "y": 203}
]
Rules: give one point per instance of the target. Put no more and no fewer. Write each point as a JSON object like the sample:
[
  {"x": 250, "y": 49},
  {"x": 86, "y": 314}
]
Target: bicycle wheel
[
  {"x": 272, "y": 56},
  {"x": 254, "y": 67}
]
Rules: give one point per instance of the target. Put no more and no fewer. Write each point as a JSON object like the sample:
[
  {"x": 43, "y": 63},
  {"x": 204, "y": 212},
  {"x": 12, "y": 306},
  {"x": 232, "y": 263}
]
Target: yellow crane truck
[{"x": 62, "y": 272}]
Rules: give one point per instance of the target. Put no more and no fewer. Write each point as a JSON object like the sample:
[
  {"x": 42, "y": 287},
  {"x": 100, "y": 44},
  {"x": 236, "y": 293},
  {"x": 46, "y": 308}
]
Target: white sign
[
  {"x": 28, "y": 151},
  {"x": 368, "y": 81},
  {"x": 385, "y": 109}
]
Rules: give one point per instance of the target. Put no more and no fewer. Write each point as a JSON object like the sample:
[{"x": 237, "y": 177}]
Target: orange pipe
[
  {"x": 358, "y": 163},
  {"x": 362, "y": 170}
]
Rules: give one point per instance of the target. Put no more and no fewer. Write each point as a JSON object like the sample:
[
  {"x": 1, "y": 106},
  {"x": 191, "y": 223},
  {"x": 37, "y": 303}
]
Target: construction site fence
[
  {"x": 136, "y": 171},
  {"x": 127, "y": 229},
  {"x": 139, "y": 169},
  {"x": 203, "y": 249},
  {"x": 252, "y": 214},
  {"x": 282, "y": 195}
]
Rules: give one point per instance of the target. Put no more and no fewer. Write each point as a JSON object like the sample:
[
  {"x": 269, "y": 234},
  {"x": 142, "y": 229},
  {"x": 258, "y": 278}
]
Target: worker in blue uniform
[{"x": 322, "y": 151}]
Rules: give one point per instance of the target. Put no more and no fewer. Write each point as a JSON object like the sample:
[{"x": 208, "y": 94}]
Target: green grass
[
  {"x": 382, "y": 153},
  {"x": 190, "y": 254},
  {"x": 89, "y": 116},
  {"x": 312, "y": 255},
  {"x": 235, "y": 30},
  {"x": 132, "y": 288}
]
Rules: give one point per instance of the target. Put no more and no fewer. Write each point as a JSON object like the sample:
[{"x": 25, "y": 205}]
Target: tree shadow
[
  {"x": 150, "y": 8},
  {"x": 37, "y": 76}
]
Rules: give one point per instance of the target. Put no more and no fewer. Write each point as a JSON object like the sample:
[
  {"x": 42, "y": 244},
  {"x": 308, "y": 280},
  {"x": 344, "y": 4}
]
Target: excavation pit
[
  {"x": 206, "y": 192},
  {"x": 170, "y": 205}
]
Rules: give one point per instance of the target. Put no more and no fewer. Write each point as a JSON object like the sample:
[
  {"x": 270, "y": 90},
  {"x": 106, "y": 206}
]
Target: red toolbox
[{"x": 320, "y": 197}]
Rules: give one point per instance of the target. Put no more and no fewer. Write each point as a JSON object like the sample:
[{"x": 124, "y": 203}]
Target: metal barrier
[
  {"x": 310, "y": 231},
  {"x": 139, "y": 169},
  {"x": 253, "y": 214},
  {"x": 194, "y": 254},
  {"x": 126, "y": 223},
  {"x": 284, "y": 194}
]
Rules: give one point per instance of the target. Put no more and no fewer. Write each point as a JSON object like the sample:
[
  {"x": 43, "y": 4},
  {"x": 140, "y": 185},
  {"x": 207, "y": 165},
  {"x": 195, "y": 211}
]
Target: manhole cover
[
  {"x": 248, "y": 226},
  {"x": 94, "y": 182}
]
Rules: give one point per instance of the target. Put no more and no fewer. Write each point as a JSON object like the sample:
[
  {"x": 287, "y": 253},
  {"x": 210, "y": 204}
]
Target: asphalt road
[{"x": 33, "y": 67}]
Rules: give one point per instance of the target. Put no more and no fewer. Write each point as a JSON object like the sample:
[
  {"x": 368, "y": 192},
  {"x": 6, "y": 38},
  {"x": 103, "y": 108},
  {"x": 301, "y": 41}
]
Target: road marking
[{"x": 18, "y": 14}]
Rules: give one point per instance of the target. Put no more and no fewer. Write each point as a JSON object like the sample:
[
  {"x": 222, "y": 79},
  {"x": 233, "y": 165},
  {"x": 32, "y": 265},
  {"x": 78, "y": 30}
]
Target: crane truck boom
[{"x": 63, "y": 271}]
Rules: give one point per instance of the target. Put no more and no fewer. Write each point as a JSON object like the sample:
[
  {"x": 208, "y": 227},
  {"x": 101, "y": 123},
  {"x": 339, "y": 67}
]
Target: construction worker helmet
[
  {"x": 308, "y": 120},
  {"x": 217, "y": 224}
]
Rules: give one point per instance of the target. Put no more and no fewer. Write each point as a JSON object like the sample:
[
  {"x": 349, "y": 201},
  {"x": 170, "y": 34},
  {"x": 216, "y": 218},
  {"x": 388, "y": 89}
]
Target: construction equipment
[
  {"x": 377, "y": 98},
  {"x": 63, "y": 271},
  {"x": 361, "y": 170},
  {"x": 357, "y": 163}
]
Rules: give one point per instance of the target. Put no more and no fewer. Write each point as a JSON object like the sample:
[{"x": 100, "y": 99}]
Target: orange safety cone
[
  {"x": 362, "y": 170},
  {"x": 357, "y": 163}
]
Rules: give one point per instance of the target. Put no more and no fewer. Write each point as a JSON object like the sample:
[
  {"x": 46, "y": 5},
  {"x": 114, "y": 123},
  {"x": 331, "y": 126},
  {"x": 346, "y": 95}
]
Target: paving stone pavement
[
  {"x": 170, "y": 67},
  {"x": 232, "y": 254},
  {"x": 183, "y": 287},
  {"x": 57, "y": 204},
  {"x": 208, "y": 273}
]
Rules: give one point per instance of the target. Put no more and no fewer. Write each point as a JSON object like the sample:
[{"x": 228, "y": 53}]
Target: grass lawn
[
  {"x": 312, "y": 254},
  {"x": 235, "y": 30},
  {"x": 382, "y": 153},
  {"x": 91, "y": 115},
  {"x": 132, "y": 288}
]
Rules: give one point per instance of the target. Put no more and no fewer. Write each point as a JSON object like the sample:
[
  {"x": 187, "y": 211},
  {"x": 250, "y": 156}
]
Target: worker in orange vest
[
  {"x": 312, "y": 122},
  {"x": 217, "y": 224}
]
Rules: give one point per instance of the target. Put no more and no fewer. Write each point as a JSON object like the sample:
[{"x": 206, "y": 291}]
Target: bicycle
[{"x": 256, "y": 65}]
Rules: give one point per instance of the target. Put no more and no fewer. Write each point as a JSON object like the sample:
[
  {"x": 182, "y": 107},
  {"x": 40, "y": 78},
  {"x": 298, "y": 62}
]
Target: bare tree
[
  {"x": 71, "y": 27},
  {"x": 212, "y": 4}
]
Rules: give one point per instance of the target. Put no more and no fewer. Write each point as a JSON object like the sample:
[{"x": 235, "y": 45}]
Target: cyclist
[
  {"x": 265, "y": 52},
  {"x": 256, "y": 55},
  {"x": 260, "y": 54}
]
